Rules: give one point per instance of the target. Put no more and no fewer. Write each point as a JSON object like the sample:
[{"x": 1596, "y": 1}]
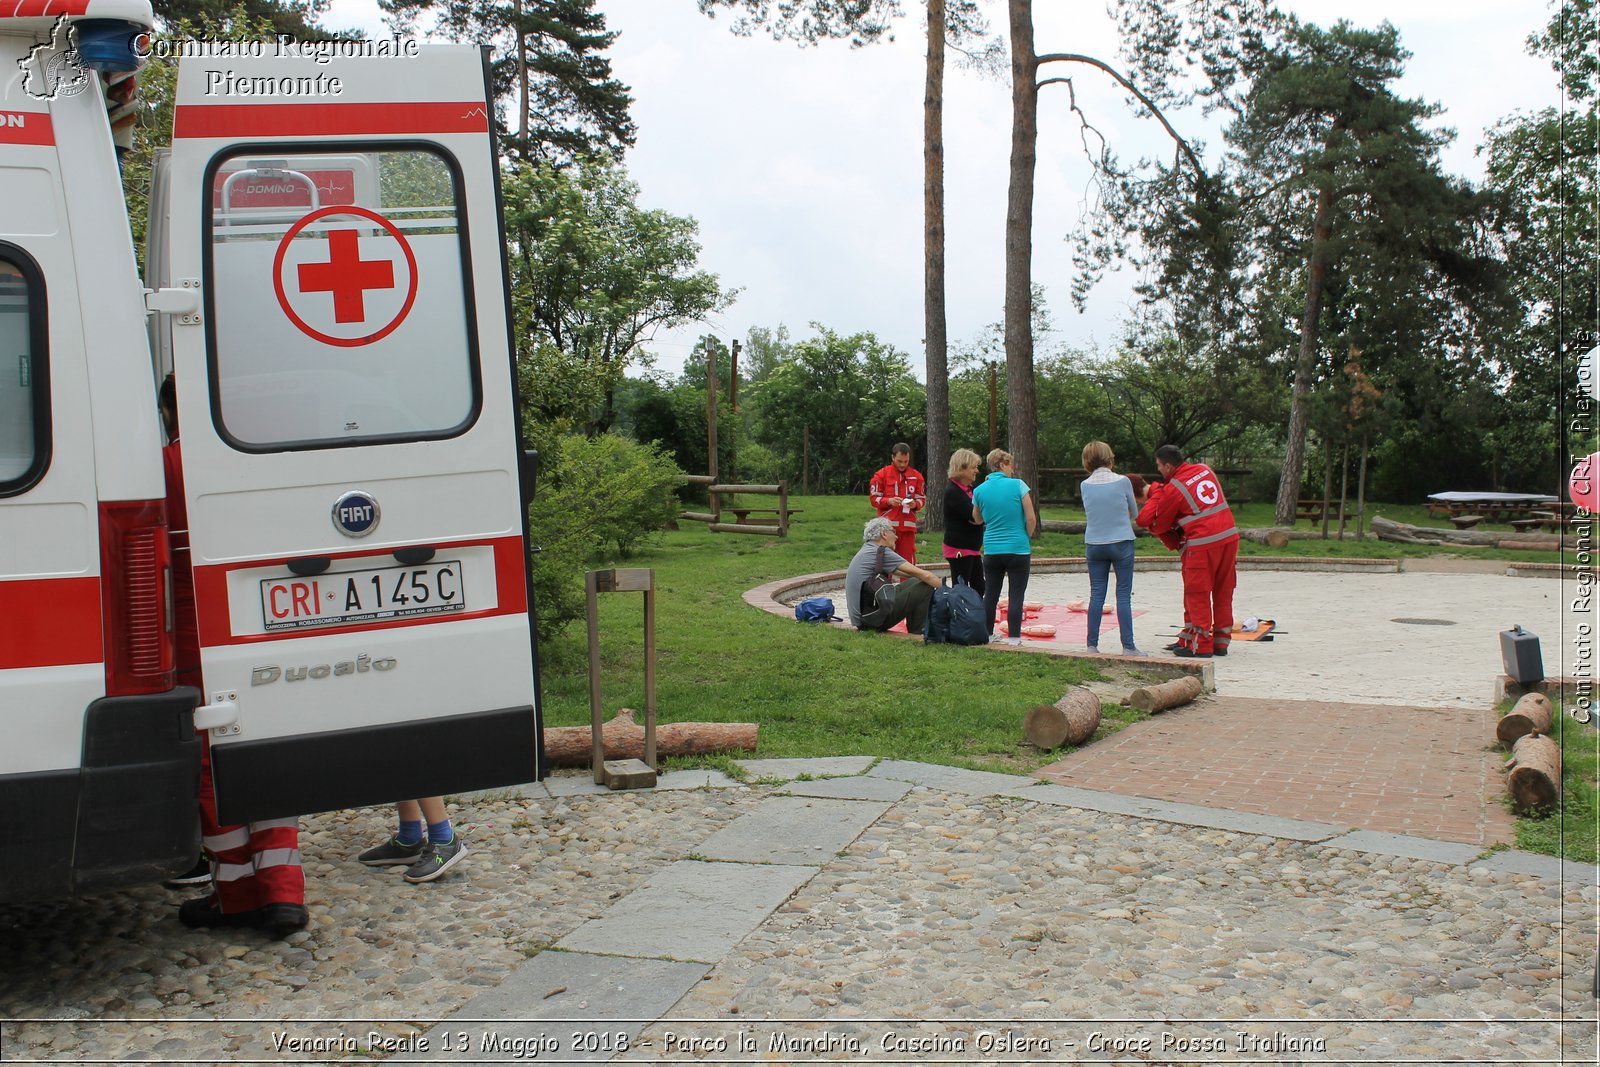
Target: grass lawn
[
  {"x": 1572, "y": 830},
  {"x": 814, "y": 690}
]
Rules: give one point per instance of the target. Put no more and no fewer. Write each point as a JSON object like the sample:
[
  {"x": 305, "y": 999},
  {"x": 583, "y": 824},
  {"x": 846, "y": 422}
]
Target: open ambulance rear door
[{"x": 351, "y": 450}]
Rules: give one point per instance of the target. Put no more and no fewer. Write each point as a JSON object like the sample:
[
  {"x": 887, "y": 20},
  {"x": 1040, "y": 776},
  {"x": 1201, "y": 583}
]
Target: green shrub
[{"x": 598, "y": 498}]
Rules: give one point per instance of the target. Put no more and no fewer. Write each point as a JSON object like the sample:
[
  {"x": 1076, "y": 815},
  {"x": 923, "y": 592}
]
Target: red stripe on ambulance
[
  {"x": 26, "y": 127},
  {"x": 322, "y": 120},
  {"x": 49, "y": 622},
  {"x": 24, "y": 9},
  {"x": 211, "y": 595}
]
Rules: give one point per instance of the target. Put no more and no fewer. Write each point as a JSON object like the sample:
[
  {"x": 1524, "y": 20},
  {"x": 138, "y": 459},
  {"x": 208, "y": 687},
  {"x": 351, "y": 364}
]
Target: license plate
[{"x": 362, "y": 596}]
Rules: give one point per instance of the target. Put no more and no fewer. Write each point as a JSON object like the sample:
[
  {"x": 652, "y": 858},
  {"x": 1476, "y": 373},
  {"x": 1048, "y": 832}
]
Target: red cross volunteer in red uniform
[
  {"x": 899, "y": 491},
  {"x": 1193, "y": 504}
]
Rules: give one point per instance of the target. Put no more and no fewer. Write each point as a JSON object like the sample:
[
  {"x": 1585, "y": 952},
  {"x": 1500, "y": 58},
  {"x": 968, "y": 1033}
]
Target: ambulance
[{"x": 326, "y": 281}]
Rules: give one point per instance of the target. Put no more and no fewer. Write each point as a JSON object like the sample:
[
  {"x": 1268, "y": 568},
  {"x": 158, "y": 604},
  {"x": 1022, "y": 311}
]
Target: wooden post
[
  {"x": 994, "y": 409},
  {"x": 733, "y": 406},
  {"x": 783, "y": 509},
  {"x": 597, "y": 747},
  {"x": 805, "y": 461},
  {"x": 616, "y": 774},
  {"x": 650, "y": 673},
  {"x": 711, "y": 428}
]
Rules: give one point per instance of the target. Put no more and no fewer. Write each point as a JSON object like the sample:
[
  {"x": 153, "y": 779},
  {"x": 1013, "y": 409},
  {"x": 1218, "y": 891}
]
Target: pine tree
[{"x": 559, "y": 97}]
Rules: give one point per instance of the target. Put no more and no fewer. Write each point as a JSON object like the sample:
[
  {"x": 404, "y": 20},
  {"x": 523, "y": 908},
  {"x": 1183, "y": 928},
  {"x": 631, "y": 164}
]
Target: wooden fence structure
[{"x": 772, "y": 521}]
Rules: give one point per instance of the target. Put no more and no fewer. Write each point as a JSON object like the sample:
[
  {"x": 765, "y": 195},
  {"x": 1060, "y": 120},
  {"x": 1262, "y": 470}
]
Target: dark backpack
[
  {"x": 956, "y": 617},
  {"x": 815, "y": 609}
]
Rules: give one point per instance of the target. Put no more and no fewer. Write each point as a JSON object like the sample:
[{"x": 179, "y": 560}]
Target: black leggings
[
  {"x": 970, "y": 570},
  {"x": 1013, "y": 567}
]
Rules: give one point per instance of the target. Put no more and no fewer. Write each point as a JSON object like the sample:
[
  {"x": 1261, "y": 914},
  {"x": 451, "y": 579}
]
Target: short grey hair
[{"x": 875, "y": 528}]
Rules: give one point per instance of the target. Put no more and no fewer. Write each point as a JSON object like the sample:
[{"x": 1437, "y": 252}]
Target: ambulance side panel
[
  {"x": 97, "y": 790},
  {"x": 351, "y": 448}
]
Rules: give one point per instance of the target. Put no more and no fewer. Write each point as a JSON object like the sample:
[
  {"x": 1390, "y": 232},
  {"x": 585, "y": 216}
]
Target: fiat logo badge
[{"x": 355, "y": 514}]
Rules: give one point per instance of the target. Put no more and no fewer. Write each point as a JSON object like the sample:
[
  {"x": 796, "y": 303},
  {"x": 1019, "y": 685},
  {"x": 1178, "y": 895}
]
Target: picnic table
[
  {"x": 1492, "y": 507},
  {"x": 1311, "y": 509}
]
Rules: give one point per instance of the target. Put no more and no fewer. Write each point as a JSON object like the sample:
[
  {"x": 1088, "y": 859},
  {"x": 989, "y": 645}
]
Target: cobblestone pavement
[
  {"x": 909, "y": 914},
  {"x": 1312, "y": 759}
]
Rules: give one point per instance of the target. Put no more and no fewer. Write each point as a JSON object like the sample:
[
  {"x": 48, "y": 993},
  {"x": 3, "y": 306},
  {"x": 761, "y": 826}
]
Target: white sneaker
[
  {"x": 1013, "y": 640},
  {"x": 995, "y": 639}
]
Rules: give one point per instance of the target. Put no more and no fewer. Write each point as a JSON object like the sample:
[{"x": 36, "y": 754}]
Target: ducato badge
[{"x": 355, "y": 514}]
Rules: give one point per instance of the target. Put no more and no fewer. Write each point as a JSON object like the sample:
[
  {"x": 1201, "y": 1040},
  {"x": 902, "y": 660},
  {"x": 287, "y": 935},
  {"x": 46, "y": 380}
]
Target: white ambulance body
[{"x": 330, "y": 270}]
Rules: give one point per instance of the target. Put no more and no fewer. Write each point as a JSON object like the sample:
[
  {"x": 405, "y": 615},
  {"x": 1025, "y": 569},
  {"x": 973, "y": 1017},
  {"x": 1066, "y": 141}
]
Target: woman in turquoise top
[{"x": 1004, "y": 505}]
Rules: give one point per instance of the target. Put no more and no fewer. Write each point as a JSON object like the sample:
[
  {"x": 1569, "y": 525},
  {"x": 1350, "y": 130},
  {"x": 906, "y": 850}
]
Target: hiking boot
[
  {"x": 393, "y": 853},
  {"x": 1220, "y": 650},
  {"x": 281, "y": 920},
  {"x": 206, "y": 913},
  {"x": 436, "y": 858},
  {"x": 199, "y": 874},
  {"x": 1189, "y": 653}
]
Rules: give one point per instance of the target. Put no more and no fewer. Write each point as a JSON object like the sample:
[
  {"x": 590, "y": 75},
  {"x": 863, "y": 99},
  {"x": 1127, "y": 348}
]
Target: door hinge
[
  {"x": 221, "y": 716},
  {"x": 182, "y": 301}
]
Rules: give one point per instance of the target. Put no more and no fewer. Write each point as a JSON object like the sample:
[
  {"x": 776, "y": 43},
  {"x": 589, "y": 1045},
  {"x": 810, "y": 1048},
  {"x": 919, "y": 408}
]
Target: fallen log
[
  {"x": 1071, "y": 720},
  {"x": 571, "y": 746},
  {"x": 1531, "y": 714},
  {"x": 1535, "y": 778},
  {"x": 1405, "y": 533},
  {"x": 1529, "y": 546},
  {"x": 1153, "y": 698},
  {"x": 1279, "y": 536},
  {"x": 1066, "y": 526}
]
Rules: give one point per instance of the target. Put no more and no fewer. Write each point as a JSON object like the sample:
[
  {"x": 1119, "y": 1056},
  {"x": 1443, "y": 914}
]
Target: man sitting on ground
[{"x": 910, "y": 598}]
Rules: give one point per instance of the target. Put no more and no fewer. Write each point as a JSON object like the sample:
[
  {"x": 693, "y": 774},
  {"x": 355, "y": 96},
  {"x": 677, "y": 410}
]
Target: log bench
[
  {"x": 742, "y": 515},
  {"x": 1465, "y": 522}
]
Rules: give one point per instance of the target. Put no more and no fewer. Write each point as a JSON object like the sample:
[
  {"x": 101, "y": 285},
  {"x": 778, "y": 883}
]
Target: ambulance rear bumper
[{"x": 127, "y": 816}]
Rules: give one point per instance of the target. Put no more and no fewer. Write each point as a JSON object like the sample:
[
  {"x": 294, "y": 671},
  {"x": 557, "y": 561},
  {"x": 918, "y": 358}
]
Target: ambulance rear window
[
  {"x": 340, "y": 298},
  {"x": 24, "y": 398}
]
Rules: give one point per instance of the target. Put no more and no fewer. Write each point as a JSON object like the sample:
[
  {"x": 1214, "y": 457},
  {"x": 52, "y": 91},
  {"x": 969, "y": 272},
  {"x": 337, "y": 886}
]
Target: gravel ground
[
  {"x": 948, "y": 907},
  {"x": 120, "y": 971}
]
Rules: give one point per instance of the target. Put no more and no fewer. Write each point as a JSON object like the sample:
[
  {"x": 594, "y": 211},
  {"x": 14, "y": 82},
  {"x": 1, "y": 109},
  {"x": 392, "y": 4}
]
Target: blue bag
[
  {"x": 956, "y": 617},
  {"x": 815, "y": 609}
]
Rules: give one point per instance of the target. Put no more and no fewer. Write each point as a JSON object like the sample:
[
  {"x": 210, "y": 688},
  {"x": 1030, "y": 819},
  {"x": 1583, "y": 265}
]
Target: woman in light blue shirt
[
  {"x": 1109, "y": 503},
  {"x": 1004, "y": 505}
]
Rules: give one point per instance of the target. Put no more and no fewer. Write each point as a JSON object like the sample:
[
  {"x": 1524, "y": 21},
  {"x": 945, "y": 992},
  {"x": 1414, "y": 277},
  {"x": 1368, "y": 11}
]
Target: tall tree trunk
[
  {"x": 522, "y": 79},
  {"x": 1294, "y": 455},
  {"x": 1361, "y": 491},
  {"x": 933, "y": 325},
  {"x": 1022, "y": 414},
  {"x": 1327, "y": 485},
  {"x": 1344, "y": 483}
]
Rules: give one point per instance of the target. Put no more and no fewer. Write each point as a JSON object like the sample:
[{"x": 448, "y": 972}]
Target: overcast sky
[{"x": 804, "y": 166}]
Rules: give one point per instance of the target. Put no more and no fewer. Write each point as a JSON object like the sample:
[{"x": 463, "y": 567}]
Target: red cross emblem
[{"x": 349, "y": 269}]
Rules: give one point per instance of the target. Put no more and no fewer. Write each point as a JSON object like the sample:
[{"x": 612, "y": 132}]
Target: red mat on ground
[{"x": 1072, "y": 627}]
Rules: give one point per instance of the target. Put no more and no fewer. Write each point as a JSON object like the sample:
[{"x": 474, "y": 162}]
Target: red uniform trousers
[
  {"x": 252, "y": 865},
  {"x": 1209, "y": 577},
  {"x": 905, "y": 543}
]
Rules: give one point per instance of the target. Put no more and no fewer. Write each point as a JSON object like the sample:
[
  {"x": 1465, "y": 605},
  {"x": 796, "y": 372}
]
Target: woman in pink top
[{"x": 963, "y": 538}]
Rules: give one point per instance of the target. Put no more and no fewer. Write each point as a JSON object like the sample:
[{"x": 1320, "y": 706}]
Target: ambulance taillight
[{"x": 135, "y": 577}]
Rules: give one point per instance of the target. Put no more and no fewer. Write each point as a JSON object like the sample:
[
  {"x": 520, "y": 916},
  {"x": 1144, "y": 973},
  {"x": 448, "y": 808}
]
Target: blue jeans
[
  {"x": 1102, "y": 558},
  {"x": 1013, "y": 567}
]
